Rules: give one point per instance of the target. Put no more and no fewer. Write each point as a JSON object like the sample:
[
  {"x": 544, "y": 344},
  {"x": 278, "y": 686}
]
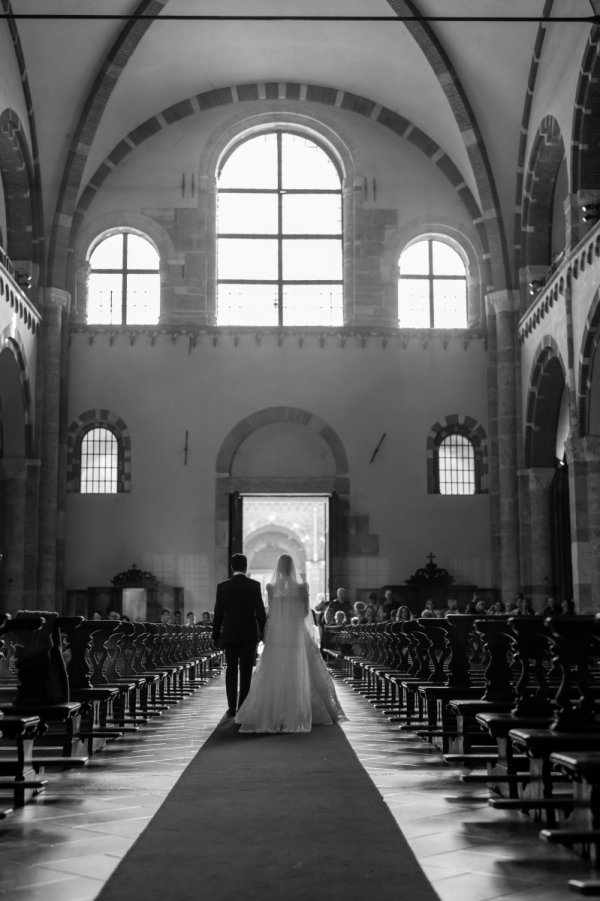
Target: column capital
[
  {"x": 537, "y": 478},
  {"x": 57, "y": 298},
  {"x": 505, "y": 301},
  {"x": 583, "y": 450}
]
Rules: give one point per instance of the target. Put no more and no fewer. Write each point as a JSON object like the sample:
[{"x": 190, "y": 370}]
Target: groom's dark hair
[{"x": 239, "y": 563}]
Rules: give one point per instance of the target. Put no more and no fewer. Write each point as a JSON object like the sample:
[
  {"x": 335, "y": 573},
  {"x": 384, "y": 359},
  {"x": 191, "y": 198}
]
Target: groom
[{"x": 238, "y": 625}]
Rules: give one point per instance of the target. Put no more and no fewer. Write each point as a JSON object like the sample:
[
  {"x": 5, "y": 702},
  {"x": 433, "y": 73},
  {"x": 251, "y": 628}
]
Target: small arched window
[
  {"x": 99, "y": 462},
  {"x": 432, "y": 286},
  {"x": 279, "y": 233},
  {"x": 456, "y": 465},
  {"x": 124, "y": 281}
]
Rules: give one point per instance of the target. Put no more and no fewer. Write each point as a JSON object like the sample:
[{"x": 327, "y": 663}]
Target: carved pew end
[
  {"x": 585, "y": 886},
  {"x": 526, "y": 805},
  {"x": 63, "y": 763}
]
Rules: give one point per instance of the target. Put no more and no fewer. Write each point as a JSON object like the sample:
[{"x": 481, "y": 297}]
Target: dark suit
[{"x": 238, "y": 625}]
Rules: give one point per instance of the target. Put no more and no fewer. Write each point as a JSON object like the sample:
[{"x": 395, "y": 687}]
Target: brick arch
[
  {"x": 525, "y": 125},
  {"x": 589, "y": 346},
  {"x": 471, "y": 429},
  {"x": 17, "y": 175},
  {"x": 23, "y": 428},
  {"x": 492, "y": 229},
  {"x": 75, "y": 433},
  {"x": 271, "y": 415},
  {"x": 85, "y": 131},
  {"x": 586, "y": 162},
  {"x": 546, "y": 385},
  {"x": 547, "y": 155},
  {"x": 299, "y": 93}
]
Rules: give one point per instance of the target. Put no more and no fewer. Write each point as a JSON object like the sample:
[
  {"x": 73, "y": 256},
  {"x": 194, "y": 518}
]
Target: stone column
[
  {"x": 536, "y": 534},
  {"x": 56, "y": 303},
  {"x": 583, "y": 461},
  {"x": 505, "y": 305}
]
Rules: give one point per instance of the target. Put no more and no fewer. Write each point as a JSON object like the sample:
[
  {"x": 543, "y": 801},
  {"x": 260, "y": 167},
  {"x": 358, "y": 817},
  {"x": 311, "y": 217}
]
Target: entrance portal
[{"x": 287, "y": 524}]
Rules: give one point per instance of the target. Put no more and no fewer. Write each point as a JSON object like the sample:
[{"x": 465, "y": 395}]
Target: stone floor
[{"x": 65, "y": 844}]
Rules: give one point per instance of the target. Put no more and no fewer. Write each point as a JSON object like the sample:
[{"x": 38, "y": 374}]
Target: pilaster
[
  {"x": 583, "y": 460},
  {"x": 56, "y": 304},
  {"x": 536, "y": 534}
]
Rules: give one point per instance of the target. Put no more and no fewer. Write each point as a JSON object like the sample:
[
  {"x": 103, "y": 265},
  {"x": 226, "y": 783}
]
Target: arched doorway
[{"x": 289, "y": 456}]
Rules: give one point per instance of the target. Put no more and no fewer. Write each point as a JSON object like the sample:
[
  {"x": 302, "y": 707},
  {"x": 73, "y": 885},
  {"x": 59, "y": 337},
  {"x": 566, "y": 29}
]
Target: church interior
[{"x": 394, "y": 374}]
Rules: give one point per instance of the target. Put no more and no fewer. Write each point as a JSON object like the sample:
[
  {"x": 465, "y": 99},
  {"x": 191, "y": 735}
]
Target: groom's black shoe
[{"x": 230, "y": 712}]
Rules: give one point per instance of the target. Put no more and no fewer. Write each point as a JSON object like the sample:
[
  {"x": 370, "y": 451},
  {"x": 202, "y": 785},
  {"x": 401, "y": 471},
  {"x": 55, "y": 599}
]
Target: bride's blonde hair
[{"x": 285, "y": 570}]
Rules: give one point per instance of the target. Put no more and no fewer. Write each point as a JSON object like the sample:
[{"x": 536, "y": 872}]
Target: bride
[{"x": 291, "y": 690}]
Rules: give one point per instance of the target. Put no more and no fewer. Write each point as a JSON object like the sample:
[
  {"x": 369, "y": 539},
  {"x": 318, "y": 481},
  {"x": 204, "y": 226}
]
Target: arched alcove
[
  {"x": 547, "y": 386},
  {"x": 285, "y": 451}
]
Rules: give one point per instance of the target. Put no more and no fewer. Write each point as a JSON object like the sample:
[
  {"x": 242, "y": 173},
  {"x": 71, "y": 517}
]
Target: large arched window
[
  {"x": 124, "y": 281},
  {"x": 279, "y": 233},
  {"x": 432, "y": 286}
]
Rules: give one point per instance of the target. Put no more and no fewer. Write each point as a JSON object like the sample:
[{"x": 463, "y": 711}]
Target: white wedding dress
[{"x": 292, "y": 689}]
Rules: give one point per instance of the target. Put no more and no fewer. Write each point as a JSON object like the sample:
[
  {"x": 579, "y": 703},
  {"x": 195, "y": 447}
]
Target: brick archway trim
[
  {"x": 547, "y": 155},
  {"x": 271, "y": 415}
]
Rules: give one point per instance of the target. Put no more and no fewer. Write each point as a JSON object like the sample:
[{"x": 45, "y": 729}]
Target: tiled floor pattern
[{"x": 65, "y": 844}]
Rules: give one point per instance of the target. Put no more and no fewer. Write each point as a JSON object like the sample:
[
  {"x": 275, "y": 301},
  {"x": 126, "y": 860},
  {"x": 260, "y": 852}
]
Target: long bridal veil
[{"x": 291, "y": 689}]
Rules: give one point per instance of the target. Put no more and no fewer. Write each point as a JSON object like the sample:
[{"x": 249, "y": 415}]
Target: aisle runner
[{"x": 276, "y": 818}]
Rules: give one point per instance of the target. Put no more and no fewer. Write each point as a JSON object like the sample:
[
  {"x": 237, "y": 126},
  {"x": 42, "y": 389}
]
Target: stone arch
[
  {"x": 585, "y": 162},
  {"x": 272, "y": 94},
  {"x": 546, "y": 385},
  {"x": 17, "y": 175},
  {"x": 336, "y": 484},
  {"x": 15, "y": 398},
  {"x": 453, "y": 423},
  {"x": 589, "y": 347},
  {"x": 525, "y": 124},
  {"x": 547, "y": 155},
  {"x": 75, "y": 433}
]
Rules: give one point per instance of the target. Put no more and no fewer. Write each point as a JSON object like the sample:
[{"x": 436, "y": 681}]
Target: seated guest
[
  {"x": 451, "y": 607},
  {"x": 403, "y": 615},
  {"x": 553, "y": 607},
  {"x": 522, "y": 606},
  {"x": 476, "y": 605},
  {"x": 428, "y": 613},
  {"x": 165, "y": 615},
  {"x": 497, "y": 608},
  {"x": 190, "y": 618},
  {"x": 568, "y": 607},
  {"x": 178, "y": 617},
  {"x": 430, "y": 605},
  {"x": 370, "y": 614},
  {"x": 339, "y": 618},
  {"x": 340, "y": 602},
  {"x": 97, "y": 615},
  {"x": 113, "y": 614},
  {"x": 206, "y": 618},
  {"x": 359, "y": 611}
]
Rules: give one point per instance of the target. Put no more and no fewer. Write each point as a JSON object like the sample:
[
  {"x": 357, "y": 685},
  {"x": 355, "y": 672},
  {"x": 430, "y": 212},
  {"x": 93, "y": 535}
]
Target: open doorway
[{"x": 295, "y": 524}]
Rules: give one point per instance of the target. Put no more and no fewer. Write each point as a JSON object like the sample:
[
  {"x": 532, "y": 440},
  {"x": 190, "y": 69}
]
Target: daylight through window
[
  {"x": 456, "y": 465},
  {"x": 279, "y": 234},
  {"x": 432, "y": 287},
  {"x": 99, "y": 462},
  {"x": 124, "y": 281}
]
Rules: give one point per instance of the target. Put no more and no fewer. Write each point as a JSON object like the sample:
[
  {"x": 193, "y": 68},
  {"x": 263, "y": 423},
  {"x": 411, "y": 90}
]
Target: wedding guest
[
  {"x": 568, "y": 607},
  {"x": 190, "y": 618},
  {"x": 206, "y": 618},
  {"x": 451, "y": 607},
  {"x": 359, "y": 611},
  {"x": 178, "y": 617},
  {"x": 97, "y": 615},
  {"x": 553, "y": 607},
  {"x": 340, "y": 602},
  {"x": 165, "y": 616},
  {"x": 339, "y": 618},
  {"x": 370, "y": 614},
  {"x": 113, "y": 614},
  {"x": 403, "y": 614}
]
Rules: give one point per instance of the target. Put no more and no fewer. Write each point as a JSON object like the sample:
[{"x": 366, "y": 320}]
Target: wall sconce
[
  {"x": 535, "y": 286},
  {"x": 591, "y": 212}
]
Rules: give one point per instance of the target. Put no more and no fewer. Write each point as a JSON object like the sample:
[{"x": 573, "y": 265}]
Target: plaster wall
[{"x": 163, "y": 390}]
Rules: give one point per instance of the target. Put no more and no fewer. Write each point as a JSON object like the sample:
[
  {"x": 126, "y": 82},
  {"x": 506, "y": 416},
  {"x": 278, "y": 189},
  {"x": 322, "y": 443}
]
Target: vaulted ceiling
[{"x": 92, "y": 81}]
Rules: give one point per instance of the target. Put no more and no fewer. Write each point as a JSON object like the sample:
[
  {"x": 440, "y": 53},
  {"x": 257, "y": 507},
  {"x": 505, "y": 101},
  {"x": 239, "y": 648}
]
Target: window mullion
[
  {"x": 431, "y": 283},
  {"x": 279, "y": 231},
  {"x": 124, "y": 282}
]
